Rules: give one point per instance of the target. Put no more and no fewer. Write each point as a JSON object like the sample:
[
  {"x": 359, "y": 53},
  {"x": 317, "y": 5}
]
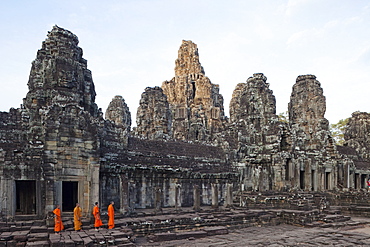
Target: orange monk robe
[
  {"x": 96, "y": 213},
  {"x": 77, "y": 214},
  {"x": 58, "y": 220},
  {"x": 111, "y": 216}
]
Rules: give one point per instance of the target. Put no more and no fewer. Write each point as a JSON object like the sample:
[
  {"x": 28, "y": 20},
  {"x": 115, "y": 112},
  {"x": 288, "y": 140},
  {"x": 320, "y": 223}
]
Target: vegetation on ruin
[
  {"x": 283, "y": 117},
  {"x": 337, "y": 131}
]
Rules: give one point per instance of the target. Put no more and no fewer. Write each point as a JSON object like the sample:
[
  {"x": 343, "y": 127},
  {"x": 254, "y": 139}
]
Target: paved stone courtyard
[
  {"x": 233, "y": 227},
  {"x": 278, "y": 236},
  {"x": 355, "y": 232}
]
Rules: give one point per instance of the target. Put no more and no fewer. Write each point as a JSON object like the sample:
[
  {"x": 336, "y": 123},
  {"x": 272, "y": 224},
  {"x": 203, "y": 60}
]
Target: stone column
[
  {"x": 39, "y": 203},
  {"x": 58, "y": 194},
  {"x": 214, "y": 195},
  {"x": 314, "y": 179},
  {"x": 7, "y": 198},
  {"x": 177, "y": 196},
  {"x": 131, "y": 195},
  {"x": 196, "y": 195},
  {"x": 158, "y": 199},
  {"x": 124, "y": 198},
  {"x": 94, "y": 189},
  {"x": 229, "y": 195},
  {"x": 143, "y": 190}
]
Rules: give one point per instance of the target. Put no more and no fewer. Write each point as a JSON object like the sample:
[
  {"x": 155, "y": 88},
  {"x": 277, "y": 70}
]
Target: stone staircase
[
  {"x": 41, "y": 233},
  {"x": 270, "y": 209},
  {"x": 168, "y": 226}
]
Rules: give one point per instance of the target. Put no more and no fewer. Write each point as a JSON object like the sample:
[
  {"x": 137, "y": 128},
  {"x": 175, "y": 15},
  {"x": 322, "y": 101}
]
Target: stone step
[
  {"x": 103, "y": 237},
  {"x": 207, "y": 231},
  {"x": 335, "y": 218}
]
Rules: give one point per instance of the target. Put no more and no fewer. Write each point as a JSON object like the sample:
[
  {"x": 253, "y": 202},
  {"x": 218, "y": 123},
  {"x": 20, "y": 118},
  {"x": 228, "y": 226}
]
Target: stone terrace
[
  {"x": 147, "y": 226},
  {"x": 175, "y": 155}
]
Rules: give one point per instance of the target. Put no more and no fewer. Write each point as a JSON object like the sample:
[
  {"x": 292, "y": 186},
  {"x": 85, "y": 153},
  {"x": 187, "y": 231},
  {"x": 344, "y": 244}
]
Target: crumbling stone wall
[
  {"x": 119, "y": 113},
  {"x": 153, "y": 116},
  {"x": 196, "y": 105},
  {"x": 314, "y": 156},
  {"x": 306, "y": 114},
  {"x": 258, "y": 132},
  {"x": 356, "y": 134},
  {"x": 252, "y": 116},
  {"x": 183, "y": 152},
  {"x": 60, "y": 122},
  {"x": 150, "y": 172},
  {"x": 117, "y": 127}
]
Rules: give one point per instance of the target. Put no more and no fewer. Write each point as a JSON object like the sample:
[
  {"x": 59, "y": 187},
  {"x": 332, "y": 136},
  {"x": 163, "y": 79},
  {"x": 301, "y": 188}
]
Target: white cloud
[
  {"x": 130, "y": 45},
  {"x": 292, "y": 6},
  {"x": 304, "y": 37}
]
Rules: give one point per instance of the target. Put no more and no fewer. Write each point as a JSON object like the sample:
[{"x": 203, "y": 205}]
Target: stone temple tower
[
  {"x": 196, "y": 105},
  {"x": 306, "y": 114},
  {"x": 62, "y": 126}
]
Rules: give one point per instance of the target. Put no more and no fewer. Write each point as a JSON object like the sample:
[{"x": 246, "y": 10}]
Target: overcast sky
[{"x": 133, "y": 44}]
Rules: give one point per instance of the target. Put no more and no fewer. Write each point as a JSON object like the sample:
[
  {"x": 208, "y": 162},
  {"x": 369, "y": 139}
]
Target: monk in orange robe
[
  {"x": 77, "y": 215},
  {"x": 96, "y": 212},
  {"x": 111, "y": 215},
  {"x": 58, "y": 220}
]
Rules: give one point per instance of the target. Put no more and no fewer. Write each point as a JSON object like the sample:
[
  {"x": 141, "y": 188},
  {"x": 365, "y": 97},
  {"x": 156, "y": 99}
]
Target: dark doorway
[
  {"x": 287, "y": 169},
  {"x": 313, "y": 180},
  {"x": 25, "y": 197},
  {"x": 356, "y": 180},
  {"x": 301, "y": 180},
  {"x": 327, "y": 181},
  {"x": 69, "y": 195}
]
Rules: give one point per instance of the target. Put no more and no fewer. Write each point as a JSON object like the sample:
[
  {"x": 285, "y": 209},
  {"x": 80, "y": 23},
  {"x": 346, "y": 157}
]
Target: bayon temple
[{"x": 59, "y": 147}]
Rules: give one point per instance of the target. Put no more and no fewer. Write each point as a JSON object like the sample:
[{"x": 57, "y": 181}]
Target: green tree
[
  {"x": 337, "y": 131},
  {"x": 283, "y": 117}
]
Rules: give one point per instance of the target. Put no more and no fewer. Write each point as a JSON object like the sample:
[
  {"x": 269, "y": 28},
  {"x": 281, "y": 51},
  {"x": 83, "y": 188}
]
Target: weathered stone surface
[
  {"x": 258, "y": 133},
  {"x": 306, "y": 114},
  {"x": 184, "y": 152},
  {"x": 253, "y": 101},
  {"x": 119, "y": 113},
  {"x": 196, "y": 105},
  {"x": 357, "y": 135},
  {"x": 252, "y": 115},
  {"x": 60, "y": 74},
  {"x": 153, "y": 116},
  {"x": 59, "y": 120}
]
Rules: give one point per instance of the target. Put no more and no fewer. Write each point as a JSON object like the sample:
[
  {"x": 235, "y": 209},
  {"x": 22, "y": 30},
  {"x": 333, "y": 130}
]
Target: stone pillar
[
  {"x": 7, "y": 198},
  {"x": 49, "y": 196},
  {"x": 177, "y": 196},
  {"x": 214, "y": 195},
  {"x": 85, "y": 202},
  {"x": 158, "y": 199},
  {"x": 131, "y": 196},
  {"x": 144, "y": 182},
  {"x": 94, "y": 189},
  {"x": 58, "y": 194},
  {"x": 124, "y": 198},
  {"x": 196, "y": 195},
  {"x": 229, "y": 195},
  {"x": 314, "y": 179},
  {"x": 348, "y": 176},
  {"x": 39, "y": 203}
]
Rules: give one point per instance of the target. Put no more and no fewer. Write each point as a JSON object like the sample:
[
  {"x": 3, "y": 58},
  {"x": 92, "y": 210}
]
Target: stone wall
[
  {"x": 306, "y": 114},
  {"x": 119, "y": 113},
  {"x": 58, "y": 149},
  {"x": 357, "y": 134},
  {"x": 196, "y": 105},
  {"x": 60, "y": 123},
  {"x": 154, "y": 118}
]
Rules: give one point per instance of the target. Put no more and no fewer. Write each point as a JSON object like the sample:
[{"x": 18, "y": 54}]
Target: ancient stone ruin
[
  {"x": 57, "y": 148},
  {"x": 195, "y": 103}
]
